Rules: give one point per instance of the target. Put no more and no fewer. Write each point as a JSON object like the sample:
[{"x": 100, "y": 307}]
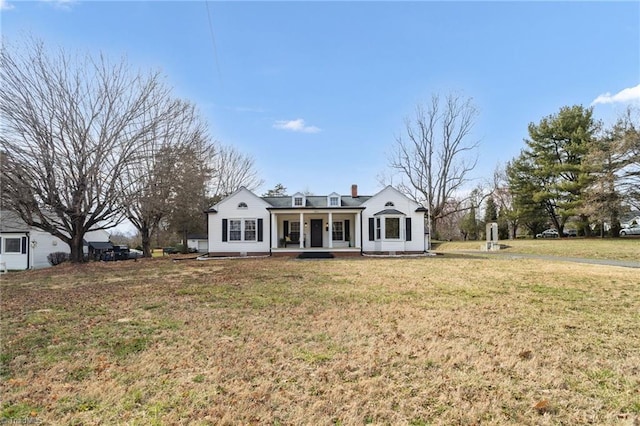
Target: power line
[{"x": 213, "y": 42}]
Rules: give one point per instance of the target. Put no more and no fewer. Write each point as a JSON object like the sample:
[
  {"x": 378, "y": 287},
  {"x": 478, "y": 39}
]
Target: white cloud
[
  {"x": 4, "y": 5},
  {"x": 295, "y": 126},
  {"x": 629, "y": 94},
  {"x": 61, "y": 4}
]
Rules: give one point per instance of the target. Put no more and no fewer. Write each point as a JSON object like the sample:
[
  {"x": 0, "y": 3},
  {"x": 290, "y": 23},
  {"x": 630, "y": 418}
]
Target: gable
[
  {"x": 242, "y": 199},
  {"x": 391, "y": 198}
]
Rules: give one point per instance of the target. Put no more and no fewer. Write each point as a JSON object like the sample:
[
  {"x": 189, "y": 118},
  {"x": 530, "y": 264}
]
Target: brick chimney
[{"x": 354, "y": 191}]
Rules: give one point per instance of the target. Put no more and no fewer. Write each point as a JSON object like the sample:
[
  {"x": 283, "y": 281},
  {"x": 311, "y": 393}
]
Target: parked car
[
  {"x": 631, "y": 230},
  {"x": 116, "y": 253},
  {"x": 169, "y": 250},
  {"x": 548, "y": 233},
  {"x": 135, "y": 254},
  {"x": 570, "y": 233}
]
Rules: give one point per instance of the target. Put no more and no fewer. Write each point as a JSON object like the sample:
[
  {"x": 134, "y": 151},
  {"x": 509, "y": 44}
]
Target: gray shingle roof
[
  {"x": 11, "y": 222},
  {"x": 317, "y": 201}
]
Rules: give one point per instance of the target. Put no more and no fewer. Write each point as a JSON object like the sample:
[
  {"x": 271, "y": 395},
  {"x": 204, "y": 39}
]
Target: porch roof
[
  {"x": 389, "y": 211},
  {"x": 289, "y": 209}
]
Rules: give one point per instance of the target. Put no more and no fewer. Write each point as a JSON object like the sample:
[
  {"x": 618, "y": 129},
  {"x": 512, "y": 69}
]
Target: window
[
  {"x": 392, "y": 228},
  {"x": 378, "y": 234},
  {"x": 389, "y": 204},
  {"x": 297, "y": 201},
  {"x": 294, "y": 233},
  {"x": 338, "y": 231},
  {"x": 333, "y": 202},
  {"x": 12, "y": 245},
  {"x": 235, "y": 230},
  {"x": 250, "y": 230},
  {"x": 242, "y": 205}
]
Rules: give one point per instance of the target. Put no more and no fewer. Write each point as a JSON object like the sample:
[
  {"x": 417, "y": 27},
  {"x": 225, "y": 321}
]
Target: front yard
[{"x": 276, "y": 341}]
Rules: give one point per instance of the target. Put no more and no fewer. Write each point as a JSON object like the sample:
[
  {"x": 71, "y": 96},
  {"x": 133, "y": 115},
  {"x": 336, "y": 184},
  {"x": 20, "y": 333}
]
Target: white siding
[
  {"x": 42, "y": 244},
  {"x": 228, "y": 209},
  {"x": 13, "y": 261},
  {"x": 402, "y": 204}
]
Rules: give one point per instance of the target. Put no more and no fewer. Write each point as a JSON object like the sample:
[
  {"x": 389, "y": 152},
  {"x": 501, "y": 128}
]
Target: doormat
[{"x": 315, "y": 255}]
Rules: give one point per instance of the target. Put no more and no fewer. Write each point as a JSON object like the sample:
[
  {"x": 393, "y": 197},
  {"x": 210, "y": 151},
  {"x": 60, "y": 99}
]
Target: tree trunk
[
  {"x": 432, "y": 228},
  {"x": 145, "y": 234},
  {"x": 185, "y": 249},
  {"x": 76, "y": 245},
  {"x": 585, "y": 225},
  {"x": 514, "y": 231}
]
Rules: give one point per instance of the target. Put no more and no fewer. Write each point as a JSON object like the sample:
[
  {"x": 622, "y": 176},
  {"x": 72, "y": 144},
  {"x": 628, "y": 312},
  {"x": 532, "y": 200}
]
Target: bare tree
[
  {"x": 626, "y": 134},
  {"x": 173, "y": 167},
  {"x": 70, "y": 126},
  {"x": 231, "y": 170},
  {"x": 502, "y": 196},
  {"x": 435, "y": 156}
]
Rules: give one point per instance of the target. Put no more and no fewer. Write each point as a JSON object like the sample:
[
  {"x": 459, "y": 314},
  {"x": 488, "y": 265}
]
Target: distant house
[
  {"x": 245, "y": 224},
  {"x": 198, "y": 242},
  {"x": 25, "y": 247}
]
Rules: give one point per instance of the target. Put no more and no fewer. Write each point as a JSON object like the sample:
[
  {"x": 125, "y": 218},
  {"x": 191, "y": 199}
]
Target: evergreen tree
[
  {"x": 551, "y": 172},
  {"x": 491, "y": 211},
  {"x": 278, "y": 191},
  {"x": 469, "y": 225}
]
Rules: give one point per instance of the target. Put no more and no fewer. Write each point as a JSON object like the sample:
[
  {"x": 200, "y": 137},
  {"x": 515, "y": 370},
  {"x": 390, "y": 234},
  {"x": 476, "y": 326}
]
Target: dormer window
[
  {"x": 298, "y": 200},
  {"x": 389, "y": 204},
  {"x": 333, "y": 199},
  {"x": 242, "y": 205}
]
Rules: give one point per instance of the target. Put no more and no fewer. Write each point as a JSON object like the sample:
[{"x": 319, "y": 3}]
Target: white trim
[
  {"x": 400, "y": 227},
  {"x": 298, "y": 196},
  {"x": 243, "y": 229},
  {"x": 330, "y": 230},
  {"x": 6, "y": 251},
  {"x": 333, "y": 196},
  {"x": 341, "y": 222}
]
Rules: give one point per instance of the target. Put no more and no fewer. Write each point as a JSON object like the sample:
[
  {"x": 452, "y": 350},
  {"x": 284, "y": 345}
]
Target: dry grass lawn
[
  {"x": 443, "y": 340},
  {"x": 592, "y": 248}
]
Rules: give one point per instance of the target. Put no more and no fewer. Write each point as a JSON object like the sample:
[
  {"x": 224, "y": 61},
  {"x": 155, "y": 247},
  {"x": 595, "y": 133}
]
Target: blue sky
[{"x": 317, "y": 92}]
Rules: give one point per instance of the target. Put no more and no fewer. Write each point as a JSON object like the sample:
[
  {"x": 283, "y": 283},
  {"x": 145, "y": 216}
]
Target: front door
[{"x": 316, "y": 232}]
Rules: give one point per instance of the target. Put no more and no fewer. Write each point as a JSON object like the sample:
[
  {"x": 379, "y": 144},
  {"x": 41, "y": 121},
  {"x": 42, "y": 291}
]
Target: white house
[
  {"x": 244, "y": 224},
  {"x": 24, "y": 247}
]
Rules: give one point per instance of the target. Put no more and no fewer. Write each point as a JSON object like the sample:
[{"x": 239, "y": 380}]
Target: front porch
[{"x": 334, "y": 230}]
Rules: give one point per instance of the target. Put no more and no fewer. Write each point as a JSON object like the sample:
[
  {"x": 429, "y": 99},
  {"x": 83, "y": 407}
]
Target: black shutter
[
  {"x": 408, "y": 229},
  {"x": 347, "y": 230},
  {"x": 24, "y": 245},
  {"x": 0, "y": 245},
  {"x": 372, "y": 229},
  {"x": 285, "y": 226},
  {"x": 260, "y": 229},
  {"x": 224, "y": 230}
]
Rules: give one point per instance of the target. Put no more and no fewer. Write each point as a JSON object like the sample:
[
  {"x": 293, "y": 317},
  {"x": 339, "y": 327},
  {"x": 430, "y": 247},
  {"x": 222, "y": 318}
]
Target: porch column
[
  {"x": 358, "y": 242},
  {"x": 330, "y": 230},
  {"x": 302, "y": 230},
  {"x": 274, "y": 230}
]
